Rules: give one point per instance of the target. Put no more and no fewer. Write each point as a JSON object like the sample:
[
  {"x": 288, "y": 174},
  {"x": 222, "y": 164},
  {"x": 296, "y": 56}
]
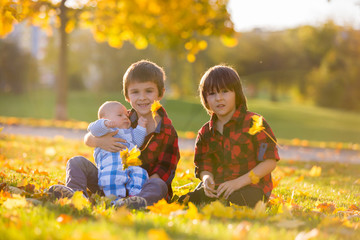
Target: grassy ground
[
  {"x": 288, "y": 120},
  {"x": 310, "y": 201}
]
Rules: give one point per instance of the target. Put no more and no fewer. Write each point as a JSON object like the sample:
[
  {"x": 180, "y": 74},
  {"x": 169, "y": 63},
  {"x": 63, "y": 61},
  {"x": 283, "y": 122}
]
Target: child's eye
[
  {"x": 210, "y": 93},
  {"x": 224, "y": 90}
]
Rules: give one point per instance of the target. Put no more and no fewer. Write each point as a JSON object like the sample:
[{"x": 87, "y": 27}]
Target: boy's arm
[
  {"x": 105, "y": 141},
  {"x": 261, "y": 170}
]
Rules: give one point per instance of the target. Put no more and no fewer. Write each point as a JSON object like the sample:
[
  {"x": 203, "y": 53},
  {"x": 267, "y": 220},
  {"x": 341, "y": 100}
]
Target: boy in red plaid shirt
[
  {"x": 231, "y": 163},
  {"x": 143, "y": 83}
]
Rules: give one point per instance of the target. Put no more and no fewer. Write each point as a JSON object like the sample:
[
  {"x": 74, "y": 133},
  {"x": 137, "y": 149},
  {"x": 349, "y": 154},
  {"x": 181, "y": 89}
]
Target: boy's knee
[
  {"x": 76, "y": 162},
  {"x": 159, "y": 183}
]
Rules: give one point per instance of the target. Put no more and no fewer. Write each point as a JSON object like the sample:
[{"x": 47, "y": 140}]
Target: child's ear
[{"x": 161, "y": 94}]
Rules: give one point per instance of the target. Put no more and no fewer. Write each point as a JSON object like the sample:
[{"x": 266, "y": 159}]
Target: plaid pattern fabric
[
  {"x": 160, "y": 151},
  {"x": 111, "y": 178},
  {"x": 236, "y": 152},
  {"x": 114, "y": 180}
]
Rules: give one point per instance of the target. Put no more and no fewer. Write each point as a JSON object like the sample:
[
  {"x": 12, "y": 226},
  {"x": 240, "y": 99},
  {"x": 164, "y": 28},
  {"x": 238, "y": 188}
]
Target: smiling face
[
  {"x": 118, "y": 114},
  {"x": 141, "y": 95},
  {"x": 222, "y": 103}
]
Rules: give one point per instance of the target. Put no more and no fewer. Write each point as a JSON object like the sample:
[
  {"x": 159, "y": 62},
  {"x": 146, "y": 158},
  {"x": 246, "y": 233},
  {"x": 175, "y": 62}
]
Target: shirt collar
[
  {"x": 238, "y": 116},
  {"x": 164, "y": 123}
]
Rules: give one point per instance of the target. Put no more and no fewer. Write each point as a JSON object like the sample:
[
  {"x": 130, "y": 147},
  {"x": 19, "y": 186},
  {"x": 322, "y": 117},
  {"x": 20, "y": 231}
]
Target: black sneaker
[
  {"x": 134, "y": 202},
  {"x": 61, "y": 191}
]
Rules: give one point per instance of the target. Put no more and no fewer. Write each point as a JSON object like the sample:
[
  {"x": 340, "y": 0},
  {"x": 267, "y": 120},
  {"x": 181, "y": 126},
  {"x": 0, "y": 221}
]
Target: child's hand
[
  {"x": 228, "y": 187},
  {"x": 110, "y": 124},
  {"x": 209, "y": 186},
  {"x": 142, "y": 121}
]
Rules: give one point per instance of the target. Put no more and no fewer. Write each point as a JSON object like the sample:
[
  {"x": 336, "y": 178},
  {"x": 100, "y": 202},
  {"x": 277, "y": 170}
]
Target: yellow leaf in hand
[
  {"x": 130, "y": 158},
  {"x": 253, "y": 177},
  {"x": 154, "y": 107},
  {"x": 257, "y": 125}
]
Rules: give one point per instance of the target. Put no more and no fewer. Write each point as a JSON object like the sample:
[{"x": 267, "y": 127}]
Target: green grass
[
  {"x": 288, "y": 120},
  {"x": 39, "y": 162}
]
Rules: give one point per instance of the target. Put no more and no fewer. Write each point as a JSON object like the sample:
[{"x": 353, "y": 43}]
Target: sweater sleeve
[
  {"x": 98, "y": 128},
  {"x": 138, "y": 135}
]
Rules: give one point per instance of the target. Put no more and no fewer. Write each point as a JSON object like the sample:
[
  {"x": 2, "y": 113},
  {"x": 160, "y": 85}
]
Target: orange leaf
[{"x": 64, "y": 218}]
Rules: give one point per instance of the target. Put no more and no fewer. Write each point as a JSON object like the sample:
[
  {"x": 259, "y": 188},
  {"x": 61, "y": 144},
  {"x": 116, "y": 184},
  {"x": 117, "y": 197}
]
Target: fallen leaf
[
  {"x": 16, "y": 201},
  {"x": 64, "y": 218},
  {"x": 315, "y": 171},
  {"x": 162, "y": 207},
  {"x": 79, "y": 200},
  {"x": 157, "y": 234}
]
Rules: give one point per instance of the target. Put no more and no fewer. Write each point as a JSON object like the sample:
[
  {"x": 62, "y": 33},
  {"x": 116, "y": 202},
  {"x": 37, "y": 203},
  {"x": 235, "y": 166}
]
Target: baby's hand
[
  {"x": 110, "y": 124},
  {"x": 142, "y": 121}
]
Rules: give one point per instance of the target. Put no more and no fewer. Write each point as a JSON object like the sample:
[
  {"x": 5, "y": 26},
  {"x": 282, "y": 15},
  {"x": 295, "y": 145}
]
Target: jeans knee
[
  {"x": 159, "y": 183},
  {"x": 75, "y": 162}
]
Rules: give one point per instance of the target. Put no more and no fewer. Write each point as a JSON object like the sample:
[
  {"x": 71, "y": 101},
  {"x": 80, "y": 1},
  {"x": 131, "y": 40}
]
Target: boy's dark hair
[
  {"x": 144, "y": 71},
  {"x": 221, "y": 77}
]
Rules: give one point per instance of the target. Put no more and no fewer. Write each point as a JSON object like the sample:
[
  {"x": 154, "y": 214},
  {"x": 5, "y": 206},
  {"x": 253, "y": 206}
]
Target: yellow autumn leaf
[
  {"x": 229, "y": 41},
  {"x": 257, "y": 125},
  {"x": 154, "y": 107},
  {"x": 315, "y": 171},
  {"x": 162, "y": 207},
  {"x": 16, "y": 201},
  {"x": 140, "y": 43},
  {"x": 64, "y": 218},
  {"x": 253, "y": 177},
  {"x": 191, "y": 58},
  {"x": 130, "y": 158},
  {"x": 217, "y": 209},
  {"x": 299, "y": 179},
  {"x": 192, "y": 212},
  {"x": 157, "y": 234},
  {"x": 79, "y": 201}
]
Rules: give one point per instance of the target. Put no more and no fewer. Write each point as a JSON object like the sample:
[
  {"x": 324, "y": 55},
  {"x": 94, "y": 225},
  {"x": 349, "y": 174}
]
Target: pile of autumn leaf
[{"x": 299, "y": 208}]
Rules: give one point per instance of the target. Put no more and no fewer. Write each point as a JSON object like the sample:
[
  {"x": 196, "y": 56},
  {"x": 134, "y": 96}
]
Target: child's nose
[{"x": 219, "y": 96}]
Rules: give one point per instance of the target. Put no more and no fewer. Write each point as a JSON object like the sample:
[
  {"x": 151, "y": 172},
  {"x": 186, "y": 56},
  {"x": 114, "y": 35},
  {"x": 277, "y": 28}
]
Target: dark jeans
[
  {"x": 81, "y": 174},
  {"x": 246, "y": 196}
]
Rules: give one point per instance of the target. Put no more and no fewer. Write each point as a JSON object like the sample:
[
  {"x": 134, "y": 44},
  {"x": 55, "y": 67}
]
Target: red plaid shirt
[
  {"x": 236, "y": 152},
  {"x": 160, "y": 151}
]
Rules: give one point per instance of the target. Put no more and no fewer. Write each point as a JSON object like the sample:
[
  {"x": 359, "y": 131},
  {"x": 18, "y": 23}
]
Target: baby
[{"x": 112, "y": 179}]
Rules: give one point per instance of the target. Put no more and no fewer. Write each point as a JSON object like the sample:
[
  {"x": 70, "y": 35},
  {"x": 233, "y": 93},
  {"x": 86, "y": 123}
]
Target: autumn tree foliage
[{"x": 177, "y": 25}]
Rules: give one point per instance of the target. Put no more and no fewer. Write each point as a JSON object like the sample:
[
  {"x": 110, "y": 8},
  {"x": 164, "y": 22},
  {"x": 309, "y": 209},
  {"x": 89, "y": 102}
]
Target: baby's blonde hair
[{"x": 106, "y": 107}]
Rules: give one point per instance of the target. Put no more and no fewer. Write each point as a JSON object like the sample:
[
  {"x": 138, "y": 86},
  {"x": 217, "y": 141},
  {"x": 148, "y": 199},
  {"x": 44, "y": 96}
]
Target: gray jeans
[{"x": 81, "y": 174}]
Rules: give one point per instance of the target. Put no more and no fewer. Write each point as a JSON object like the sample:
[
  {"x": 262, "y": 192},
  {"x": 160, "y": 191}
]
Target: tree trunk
[{"x": 61, "y": 80}]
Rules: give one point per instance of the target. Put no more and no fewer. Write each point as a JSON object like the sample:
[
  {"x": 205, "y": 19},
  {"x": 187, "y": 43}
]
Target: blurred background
[{"x": 298, "y": 60}]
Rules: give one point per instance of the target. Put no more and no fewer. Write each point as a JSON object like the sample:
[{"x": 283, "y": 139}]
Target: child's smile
[{"x": 142, "y": 95}]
